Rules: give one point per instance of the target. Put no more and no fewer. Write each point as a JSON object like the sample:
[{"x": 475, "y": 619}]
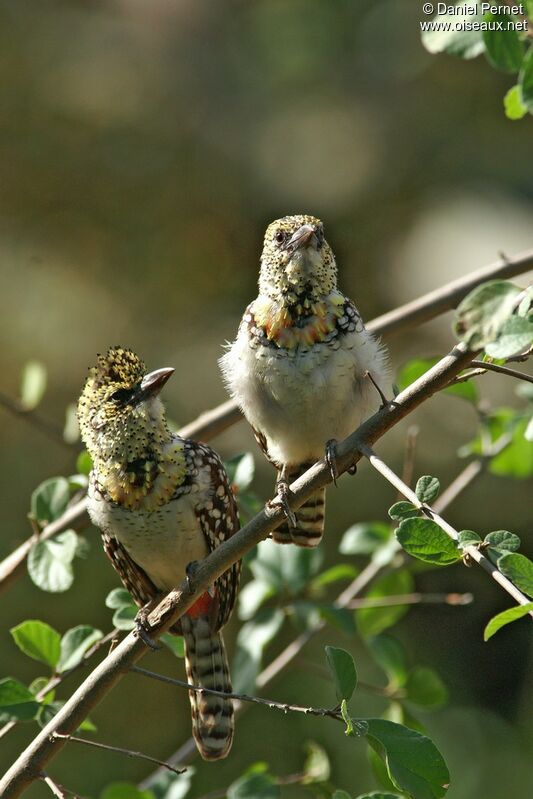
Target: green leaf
[
  {"x": 342, "y": 571},
  {"x": 17, "y": 703},
  {"x": 285, "y": 568},
  {"x": 427, "y": 488},
  {"x": 454, "y": 41},
  {"x": 240, "y": 470},
  {"x": 254, "y": 786},
  {"x": 316, "y": 765},
  {"x": 502, "y": 541},
  {"x": 75, "y": 643},
  {"x": 342, "y": 667},
  {"x": 376, "y": 795},
  {"x": 519, "y": 570},
  {"x": 515, "y": 335},
  {"x": 355, "y": 728},
  {"x": 175, "y": 643},
  {"x": 424, "y": 687},
  {"x": 468, "y": 538},
  {"x": 512, "y": 103},
  {"x": 516, "y": 460},
  {"x": 118, "y": 598},
  {"x": 423, "y": 539},
  {"x": 390, "y": 656},
  {"x": 32, "y": 384},
  {"x": 480, "y": 316},
  {"x": 252, "y": 596},
  {"x": 414, "y": 764},
  {"x": 403, "y": 510},
  {"x": 364, "y": 538},
  {"x": 38, "y": 640},
  {"x": 50, "y": 499},
  {"x": 125, "y": 790},
  {"x": 372, "y": 621},
  {"x": 124, "y": 617},
  {"x": 506, "y": 617},
  {"x": 71, "y": 428},
  {"x": 414, "y": 369},
  {"x": 252, "y": 639},
  {"x": 50, "y": 562},
  {"x": 84, "y": 463},
  {"x": 525, "y": 80},
  {"x": 341, "y": 618},
  {"x": 503, "y": 48}
]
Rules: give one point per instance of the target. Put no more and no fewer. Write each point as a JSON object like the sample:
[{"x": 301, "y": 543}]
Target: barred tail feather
[
  {"x": 309, "y": 518},
  {"x": 206, "y": 664}
]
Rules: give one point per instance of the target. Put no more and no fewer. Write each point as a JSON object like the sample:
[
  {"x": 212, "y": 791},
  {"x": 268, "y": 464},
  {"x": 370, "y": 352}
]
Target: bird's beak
[
  {"x": 301, "y": 238},
  {"x": 153, "y": 382}
]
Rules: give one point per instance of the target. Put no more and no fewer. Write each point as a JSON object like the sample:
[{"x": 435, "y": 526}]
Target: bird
[
  {"x": 162, "y": 503},
  {"x": 302, "y": 365}
]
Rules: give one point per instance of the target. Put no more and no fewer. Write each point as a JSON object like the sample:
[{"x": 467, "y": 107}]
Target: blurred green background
[{"x": 146, "y": 145}]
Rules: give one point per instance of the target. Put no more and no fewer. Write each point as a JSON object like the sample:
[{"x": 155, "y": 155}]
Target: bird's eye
[
  {"x": 121, "y": 395},
  {"x": 280, "y": 236}
]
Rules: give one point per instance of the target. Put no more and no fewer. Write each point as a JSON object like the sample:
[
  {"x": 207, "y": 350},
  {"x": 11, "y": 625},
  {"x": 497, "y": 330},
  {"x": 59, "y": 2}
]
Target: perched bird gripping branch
[
  {"x": 302, "y": 365},
  {"x": 162, "y": 502}
]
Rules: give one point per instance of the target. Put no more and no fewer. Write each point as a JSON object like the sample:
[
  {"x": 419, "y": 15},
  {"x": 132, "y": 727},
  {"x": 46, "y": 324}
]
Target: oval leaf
[
  {"x": 344, "y": 673},
  {"x": 38, "y": 640},
  {"x": 424, "y": 540},
  {"x": 512, "y": 103},
  {"x": 414, "y": 764},
  {"x": 424, "y": 687},
  {"x": 503, "y": 540},
  {"x": 32, "y": 384},
  {"x": 503, "y": 48},
  {"x": 50, "y": 499},
  {"x": 364, "y": 538},
  {"x": 468, "y": 538},
  {"x": 49, "y": 562},
  {"x": 480, "y": 316},
  {"x": 17, "y": 703},
  {"x": 427, "y": 488},
  {"x": 519, "y": 570},
  {"x": 75, "y": 643},
  {"x": 516, "y": 335},
  {"x": 506, "y": 617},
  {"x": 403, "y": 510}
]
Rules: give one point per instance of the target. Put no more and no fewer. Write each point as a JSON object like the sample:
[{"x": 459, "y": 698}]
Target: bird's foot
[
  {"x": 143, "y": 629},
  {"x": 384, "y": 401},
  {"x": 190, "y": 570},
  {"x": 284, "y": 492},
  {"x": 331, "y": 459}
]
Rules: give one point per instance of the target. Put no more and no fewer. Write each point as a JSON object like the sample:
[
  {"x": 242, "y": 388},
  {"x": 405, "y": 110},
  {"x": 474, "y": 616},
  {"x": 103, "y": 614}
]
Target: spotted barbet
[
  {"x": 162, "y": 502},
  {"x": 299, "y": 365}
]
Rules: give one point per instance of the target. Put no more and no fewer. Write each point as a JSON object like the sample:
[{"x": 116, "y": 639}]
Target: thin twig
[
  {"x": 54, "y": 787},
  {"x": 56, "y": 736},
  {"x": 484, "y": 366},
  {"x": 471, "y": 551},
  {"x": 411, "y": 599},
  {"x": 272, "y": 704}
]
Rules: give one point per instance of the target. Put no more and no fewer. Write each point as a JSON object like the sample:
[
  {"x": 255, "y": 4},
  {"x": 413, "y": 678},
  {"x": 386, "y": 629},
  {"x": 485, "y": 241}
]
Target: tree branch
[
  {"x": 56, "y": 736},
  {"x": 213, "y": 422},
  {"x": 42, "y": 749},
  {"x": 472, "y": 551},
  {"x": 449, "y": 296}
]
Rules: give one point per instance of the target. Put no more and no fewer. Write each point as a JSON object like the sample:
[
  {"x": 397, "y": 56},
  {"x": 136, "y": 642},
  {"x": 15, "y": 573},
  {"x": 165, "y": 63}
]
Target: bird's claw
[
  {"x": 190, "y": 571},
  {"x": 284, "y": 493},
  {"x": 143, "y": 629},
  {"x": 331, "y": 459}
]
